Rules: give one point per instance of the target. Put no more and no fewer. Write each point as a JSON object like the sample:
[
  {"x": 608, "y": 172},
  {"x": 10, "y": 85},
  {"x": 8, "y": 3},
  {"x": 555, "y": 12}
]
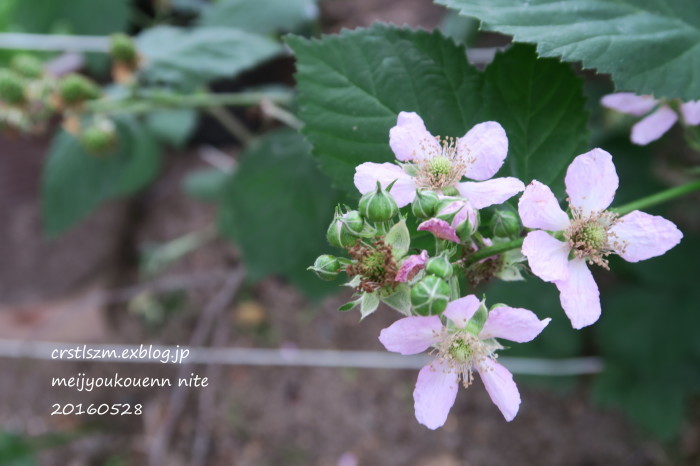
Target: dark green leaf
[
  {"x": 276, "y": 207},
  {"x": 649, "y": 46},
  {"x": 353, "y": 86},
  {"x": 75, "y": 181},
  {"x": 90, "y": 17},
  {"x": 199, "y": 55}
]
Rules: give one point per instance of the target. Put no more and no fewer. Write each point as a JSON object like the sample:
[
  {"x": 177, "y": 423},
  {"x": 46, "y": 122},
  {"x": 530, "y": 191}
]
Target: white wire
[{"x": 43, "y": 350}]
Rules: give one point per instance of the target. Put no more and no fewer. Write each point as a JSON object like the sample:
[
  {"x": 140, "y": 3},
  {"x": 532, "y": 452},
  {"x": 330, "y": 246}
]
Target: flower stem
[
  {"x": 658, "y": 198},
  {"x": 493, "y": 250}
]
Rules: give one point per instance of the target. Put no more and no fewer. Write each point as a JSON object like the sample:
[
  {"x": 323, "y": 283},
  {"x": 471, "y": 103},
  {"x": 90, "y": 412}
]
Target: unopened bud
[
  {"x": 11, "y": 88},
  {"x": 430, "y": 295},
  {"x": 425, "y": 204},
  {"x": 74, "y": 89},
  {"x": 505, "y": 223},
  {"x": 439, "y": 266},
  {"x": 99, "y": 138},
  {"x": 27, "y": 66},
  {"x": 122, "y": 48},
  {"x": 326, "y": 267},
  {"x": 345, "y": 229},
  {"x": 378, "y": 205}
]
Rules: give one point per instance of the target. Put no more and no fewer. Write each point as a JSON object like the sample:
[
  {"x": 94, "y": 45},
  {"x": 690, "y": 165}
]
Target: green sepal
[
  {"x": 399, "y": 239},
  {"x": 368, "y": 304},
  {"x": 399, "y": 299}
]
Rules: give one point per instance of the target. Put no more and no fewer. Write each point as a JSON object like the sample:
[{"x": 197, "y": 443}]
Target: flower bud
[
  {"x": 326, "y": 267},
  {"x": 74, "y": 89},
  {"x": 99, "y": 138},
  {"x": 439, "y": 266},
  {"x": 505, "y": 223},
  {"x": 345, "y": 229},
  {"x": 425, "y": 204},
  {"x": 11, "y": 88},
  {"x": 378, "y": 205},
  {"x": 27, "y": 66},
  {"x": 122, "y": 48},
  {"x": 430, "y": 295}
]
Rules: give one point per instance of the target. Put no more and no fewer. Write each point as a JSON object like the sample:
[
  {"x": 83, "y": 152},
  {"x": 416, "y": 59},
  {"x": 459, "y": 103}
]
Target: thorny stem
[{"x": 642, "y": 203}]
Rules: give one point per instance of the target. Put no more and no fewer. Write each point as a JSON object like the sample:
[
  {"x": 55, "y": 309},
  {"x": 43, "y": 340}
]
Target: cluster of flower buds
[
  {"x": 25, "y": 95},
  {"x": 476, "y": 236}
]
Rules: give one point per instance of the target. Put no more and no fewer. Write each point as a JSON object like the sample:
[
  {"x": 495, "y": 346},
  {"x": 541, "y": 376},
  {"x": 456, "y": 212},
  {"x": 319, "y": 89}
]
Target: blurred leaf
[
  {"x": 172, "y": 127},
  {"x": 261, "y": 16},
  {"x": 198, "y": 55},
  {"x": 89, "y": 17},
  {"x": 353, "y": 86},
  {"x": 206, "y": 184},
  {"x": 16, "y": 450},
  {"x": 649, "y": 46},
  {"x": 461, "y": 29},
  {"x": 276, "y": 207},
  {"x": 75, "y": 182}
]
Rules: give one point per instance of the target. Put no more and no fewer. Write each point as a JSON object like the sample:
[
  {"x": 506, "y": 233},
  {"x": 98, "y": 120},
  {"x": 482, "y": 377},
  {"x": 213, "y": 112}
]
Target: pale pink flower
[
  {"x": 438, "y": 164},
  {"x": 655, "y": 124},
  {"x": 460, "y": 211},
  {"x": 590, "y": 235},
  {"x": 411, "y": 266},
  {"x": 460, "y": 350}
]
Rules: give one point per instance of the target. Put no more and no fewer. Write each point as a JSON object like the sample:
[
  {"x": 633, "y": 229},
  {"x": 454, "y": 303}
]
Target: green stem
[
  {"x": 165, "y": 100},
  {"x": 657, "y": 198},
  {"x": 493, "y": 250}
]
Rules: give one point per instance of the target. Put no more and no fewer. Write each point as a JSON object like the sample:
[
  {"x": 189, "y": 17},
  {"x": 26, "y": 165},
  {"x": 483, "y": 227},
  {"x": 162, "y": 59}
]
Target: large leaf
[
  {"x": 199, "y": 55},
  {"x": 277, "y": 207},
  {"x": 261, "y": 16},
  {"x": 75, "y": 181},
  {"x": 353, "y": 86},
  {"x": 649, "y": 46}
]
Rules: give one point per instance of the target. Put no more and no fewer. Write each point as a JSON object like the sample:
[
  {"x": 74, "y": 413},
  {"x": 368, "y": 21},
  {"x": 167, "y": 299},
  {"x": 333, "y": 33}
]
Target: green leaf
[
  {"x": 196, "y": 56},
  {"x": 399, "y": 239},
  {"x": 261, "y": 16},
  {"x": 540, "y": 104},
  {"x": 207, "y": 184},
  {"x": 648, "y": 46},
  {"x": 90, "y": 17},
  {"x": 276, "y": 207},
  {"x": 75, "y": 182},
  {"x": 353, "y": 86},
  {"x": 172, "y": 127}
]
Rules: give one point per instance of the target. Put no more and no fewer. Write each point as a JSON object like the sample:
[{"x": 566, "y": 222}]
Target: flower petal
[
  {"x": 500, "y": 387},
  {"x": 411, "y": 266},
  {"x": 654, "y": 126},
  {"x": 368, "y": 173},
  {"x": 627, "y": 102},
  {"x": 579, "y": 295},
  {"x": 591, "y": 181},
  {"x": 484, "y": 148},
  {"x": 440, "y": 229},
  {"x": 411, "y": 335},
  {"x": 641, "y": 236},
  {"x": 461, "y": 310},
  {"x": 548, "y": 257},
  {"x": 491, "y": 192},
  {"x": 435, "y": 394},
  {"x": 410, "y": 140},
  {"x": 512, "y": 323},
  {"x": 538, "y": 208},
  {"x": 691, "y": 112}
]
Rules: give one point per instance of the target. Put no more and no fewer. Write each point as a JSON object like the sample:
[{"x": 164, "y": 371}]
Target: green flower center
[
  {"x": 593, "y": 235},
  {"x": 461, "y": 351},
  {"x": 440, "y": 166}
]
